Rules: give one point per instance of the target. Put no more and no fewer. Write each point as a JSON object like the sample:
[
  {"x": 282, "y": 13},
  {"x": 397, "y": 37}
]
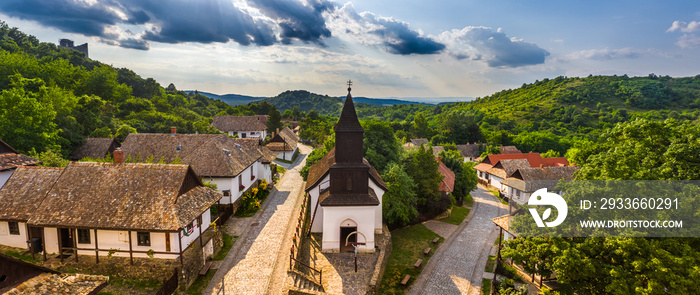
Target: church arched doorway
[{"x": 346, "y": 227}]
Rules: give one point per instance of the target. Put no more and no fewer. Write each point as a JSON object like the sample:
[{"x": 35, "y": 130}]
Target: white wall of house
[
  {"x": 286, "y": 155},
  {"x": 264, "y": 171},
  {"x": 496, "y": 181},
  {"x": 5, "y": 175},
  {"x": 119, "y": 239},
  {"x": 7, "y": 239},
  {"x": 232, "y": 184},
  {"x": 516, "y": 195},
  {"x": 335, "y": 217},
  {"x": 247, "y": 134}
]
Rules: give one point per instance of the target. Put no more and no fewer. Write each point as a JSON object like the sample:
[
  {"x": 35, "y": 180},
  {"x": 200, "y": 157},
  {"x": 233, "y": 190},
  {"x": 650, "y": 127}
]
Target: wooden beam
[
  {"x": 200, "y": 220},
  {"x": 97, "y": 252},
  {"x": 60, "y": 244},
  {"x": 29, "y": 237},
  {"x": 131, "y": 251},
  {"x": 43, "y": 243},
  {"x": 75, "y": 242},
  {"x": 179, "y": 241}
]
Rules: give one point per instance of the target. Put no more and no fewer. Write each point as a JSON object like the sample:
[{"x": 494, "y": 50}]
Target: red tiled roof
[
  {"x": 559, "y": 161},
  {"x": 448, "y": 182}
]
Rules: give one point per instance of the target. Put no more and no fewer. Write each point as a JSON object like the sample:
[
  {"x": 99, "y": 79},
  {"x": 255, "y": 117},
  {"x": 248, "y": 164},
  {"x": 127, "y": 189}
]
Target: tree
[
  {"x": 465, "y": 175},
  {"x": 26, "y": 121},
  {"x": 123, "y": 132},
  {"x": 380, "y": 146},
  {"x": 274, "y": 120},
  {"x": 399, "y": 202},
  {"x": 461, "y": 126},
  {"x": 423, "y": 169},
  {"x": 420, "y": 128},
  {"x": 287, "y": 114},
  {"x": 296, "y": 115}
]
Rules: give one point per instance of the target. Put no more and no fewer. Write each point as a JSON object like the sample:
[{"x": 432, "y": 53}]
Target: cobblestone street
[
  {"x": 457, "y": 267},
  {"x": 252, "y": 266}
]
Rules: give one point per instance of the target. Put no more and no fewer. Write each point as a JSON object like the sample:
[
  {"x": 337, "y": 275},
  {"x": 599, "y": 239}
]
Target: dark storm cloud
[
  {"x": 402, "y": 40},
  {"x": 204, "y": 22},
  {"x": 69, "y": 16},
  {"x": 297, "y": 20}
]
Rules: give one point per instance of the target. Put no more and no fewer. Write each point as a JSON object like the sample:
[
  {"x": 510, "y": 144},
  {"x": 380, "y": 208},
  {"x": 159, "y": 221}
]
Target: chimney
[
  {"x": 173, "y": 131},
  {"x": 439, "y": 158},
  {"x": 118, "y": 156},
  {"x": 541, "y": 165},
  {"x": 278, "y": 130}
]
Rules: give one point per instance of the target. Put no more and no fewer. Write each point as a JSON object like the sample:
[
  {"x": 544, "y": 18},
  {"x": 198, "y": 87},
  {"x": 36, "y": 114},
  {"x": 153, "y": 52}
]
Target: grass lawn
[
  {"x": 281, "y": 169},
  {"x": 228, "y": 243},
  {"x": 490, "y": 264},
  {"x": 485, "y": 286},
  {"x": 468, "y": 201},
  {"x": 457, "y": 216},
  {"x": 201, "y": 283},
  {"x": 408, "y": 245},
  {"x": 498, "y": 195}
]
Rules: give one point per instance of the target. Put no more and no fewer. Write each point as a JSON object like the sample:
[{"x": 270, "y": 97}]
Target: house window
[
  {"x": 14, "y": 228},
  {"x": 83, "y": 236},
  {"x": 243, "y": 135},
  {"x": 144, "y": 239}
]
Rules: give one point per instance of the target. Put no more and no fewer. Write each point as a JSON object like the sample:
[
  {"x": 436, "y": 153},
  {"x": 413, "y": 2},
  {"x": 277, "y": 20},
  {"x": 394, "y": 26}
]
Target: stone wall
[
  {"x": 384, "y": 252},
  {"x": 194, "y": 259}
]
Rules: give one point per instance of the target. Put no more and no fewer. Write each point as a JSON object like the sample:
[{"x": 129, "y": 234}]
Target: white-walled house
[
  {"x": 127, "y": 208},
  {"x": 242, "y": 126},
  {"x": 470, "y": 151},
  {"x": 10, "y": 159},
  {"x": 496, "y": 168},
  {"x": 284, "y": 143},
  {"x": 521, "y": 183},
  {"x": 267, "y": 159},
  {"x": 345, "y": 190},
  {"x": 217, "y": 158}
]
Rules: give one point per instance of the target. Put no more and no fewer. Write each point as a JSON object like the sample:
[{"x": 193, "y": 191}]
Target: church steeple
[{"x": 348, "y": 133}]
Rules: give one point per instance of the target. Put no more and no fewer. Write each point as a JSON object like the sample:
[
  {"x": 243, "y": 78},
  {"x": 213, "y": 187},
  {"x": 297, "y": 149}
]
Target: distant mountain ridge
[{"x": 231, "y": 99}]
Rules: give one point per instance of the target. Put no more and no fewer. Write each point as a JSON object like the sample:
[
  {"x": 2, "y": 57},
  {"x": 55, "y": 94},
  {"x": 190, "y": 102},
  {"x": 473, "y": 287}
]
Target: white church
[{"x": 346, "y": 191}]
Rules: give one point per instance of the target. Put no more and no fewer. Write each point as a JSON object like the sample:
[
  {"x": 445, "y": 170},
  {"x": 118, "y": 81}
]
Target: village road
[
  {"x": 249, "y": 268},
  {"x": 458, "y": 265}
]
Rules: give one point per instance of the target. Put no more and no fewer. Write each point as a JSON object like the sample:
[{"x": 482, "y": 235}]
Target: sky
[{"x": 451, "y": 49}]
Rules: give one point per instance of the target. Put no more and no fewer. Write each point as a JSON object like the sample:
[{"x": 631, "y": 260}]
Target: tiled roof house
[
  {"x": 495, "y": 168},
  {"x": 243, "y": 126},
  {"x": 284, "y": 143},
  {"x": 132, "y": 207},
  {"x": 10, "y": 159},
  {"x": 95, "y": 148},
  {"x": 222, "y": 160}
]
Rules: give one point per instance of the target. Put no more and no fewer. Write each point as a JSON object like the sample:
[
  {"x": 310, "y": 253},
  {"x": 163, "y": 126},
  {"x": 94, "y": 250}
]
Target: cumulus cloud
[
  {"x": 689, "y": 39},
  {"x": 395, "y": 36},
  {"x": 693, "y": 26},
  {"x": 493, "y": 47}
]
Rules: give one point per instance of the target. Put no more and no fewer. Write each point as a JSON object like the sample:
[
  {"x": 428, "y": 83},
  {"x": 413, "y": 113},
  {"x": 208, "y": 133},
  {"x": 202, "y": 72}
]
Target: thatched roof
[
  {"x": 468, "y": 150},
  {"x": 321, "y": 168},
  {"x": 239, "y": 123},
  {"x": 95, "y": 147},
  {"x": 448, "y": 182},
  {"x": 24, "y": 191},
  {"x": 130, "y": 196},
  {"x": 211, "y": 155}
]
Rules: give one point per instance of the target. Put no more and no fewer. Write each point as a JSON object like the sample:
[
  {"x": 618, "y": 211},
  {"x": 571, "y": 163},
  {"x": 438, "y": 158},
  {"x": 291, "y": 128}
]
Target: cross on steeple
[{"x": 349, "y": 85}]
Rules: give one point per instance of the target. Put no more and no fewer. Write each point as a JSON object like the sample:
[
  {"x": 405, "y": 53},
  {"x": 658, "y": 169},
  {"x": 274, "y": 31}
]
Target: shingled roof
[
  {"x": 448, "y": 182},
  {"x": 268, "y": 156},
  {"x": 321, "y": 168},
  {"x": 369, "y": 199},
  {"x": 212, "y": 155},
  {"x": 284, "y": 140},
  {"x": 129, "y": 196},
  {"x": 532, "y": 179},
  {"x": 503, "y": 168},
  {"x": 6, "y": 148},
  {"x": 510, "y": 149},
  {"x": 25, "y": 190},
  {"x": 95, "y": 147},
  {"x": 11, "y": 161},
  {"x": 469, "y": 150},
  {"x": 437, "y": 149},
  {"x": 419, "y": 141},
  {"x": 239, "y": 123}
]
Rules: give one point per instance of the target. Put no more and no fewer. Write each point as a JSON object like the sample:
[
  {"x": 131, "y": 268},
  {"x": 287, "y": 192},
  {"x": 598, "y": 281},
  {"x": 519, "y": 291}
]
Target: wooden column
[
  {"x": 60, "y": 244},
  {"x": 200, "y": 220},
  {"x": 29, "y": 237},
  {"x": 97, "y": 252},
  {"x": 43, "y": 242},
  {"x": 131, "y": 251},
  {"x": 179, "y": 241},
  {"x": 75, "y": 243}
]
